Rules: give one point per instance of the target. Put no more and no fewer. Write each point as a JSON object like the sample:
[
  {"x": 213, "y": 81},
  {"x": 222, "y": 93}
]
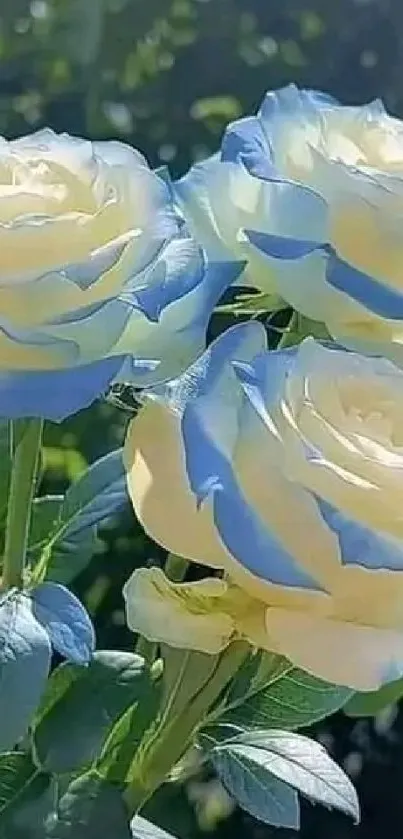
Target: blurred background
[{"x": 166, "y": 76}]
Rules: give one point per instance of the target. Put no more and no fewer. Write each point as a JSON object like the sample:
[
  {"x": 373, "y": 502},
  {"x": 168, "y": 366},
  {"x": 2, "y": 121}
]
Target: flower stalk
[
  {"x": 196, "y": 682},
  {"x": 26, "y": 444}
]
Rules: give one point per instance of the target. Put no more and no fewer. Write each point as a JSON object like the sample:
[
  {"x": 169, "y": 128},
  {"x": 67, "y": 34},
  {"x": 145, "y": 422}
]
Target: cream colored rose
[
  {"x": 98, "y": 278},
  {"x": 311, "y": 193},
  {"x": 285, "y": 470}
]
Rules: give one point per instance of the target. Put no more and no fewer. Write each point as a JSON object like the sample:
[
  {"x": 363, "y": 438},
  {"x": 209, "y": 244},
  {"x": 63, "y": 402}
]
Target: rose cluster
[{"x": 280, "y": 469}]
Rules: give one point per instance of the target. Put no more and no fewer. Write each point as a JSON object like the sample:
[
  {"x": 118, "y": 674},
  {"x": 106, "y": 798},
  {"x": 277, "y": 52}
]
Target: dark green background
[{"x": 166, "y": 76}]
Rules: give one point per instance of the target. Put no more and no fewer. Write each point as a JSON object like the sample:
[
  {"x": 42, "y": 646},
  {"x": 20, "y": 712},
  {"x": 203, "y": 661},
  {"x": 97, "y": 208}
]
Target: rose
[
  {"x": 316, "y": 190},
  {"x": 98, "y": 278},
  {"x": 220, "y": 199},
  {"x": 285, "y": 469}
]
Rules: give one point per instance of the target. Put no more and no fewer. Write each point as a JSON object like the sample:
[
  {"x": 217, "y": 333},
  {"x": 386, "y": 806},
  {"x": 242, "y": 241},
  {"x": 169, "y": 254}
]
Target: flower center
[
  {"x": 371, "y": 408},
  {"x": 37, "y": 187}
]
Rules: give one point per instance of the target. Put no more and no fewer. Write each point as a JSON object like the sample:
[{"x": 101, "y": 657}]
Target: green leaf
[
  {"x": 254, "y": 788},
  {"x": 300, "y": 762},
  {"x": 70, "y": 734},
  {"x": 26, "y": 797},
  {"x": 89, "y": 809},
  {"x": 120, "y": 746},
  {"x": 371, "y": 703},
  {"x": 16, "y": 770},
  {"x": 45, "y": 512},
  {"x": 57, "y": 684},
  {"x": 240, "y": 686},
  {"x": 212, "y": 735},
  {"x": 271, "y": 668},
  {"x": 98, "y": 494},
  {"x": 259, "y": 671},
  {"x": 143, "y": 829},
  {"x": 25, "y": 656},
  {"x": 67, "y": 562},
  {"x": 292, "y": 699}
]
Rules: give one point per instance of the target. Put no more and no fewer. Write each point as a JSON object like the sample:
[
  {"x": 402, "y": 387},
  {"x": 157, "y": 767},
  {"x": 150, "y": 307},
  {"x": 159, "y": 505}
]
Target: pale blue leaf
[
  {"x": 98, "y": 494},
  {"x": 25, "y": 655},
  {"x": 143, "y": 829},
  {"x": 300, "y": 762},
  {"x": 254, "y": 788},
  {"x": 66, "y": 621}
]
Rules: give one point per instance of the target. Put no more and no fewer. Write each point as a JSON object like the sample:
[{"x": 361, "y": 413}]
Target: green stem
[
  {"x": 290, "y": 334},
  {"x": 301, "y": 327},
  {"x": 176, "y": 725},
  {"x": 27, "y": 436}
]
